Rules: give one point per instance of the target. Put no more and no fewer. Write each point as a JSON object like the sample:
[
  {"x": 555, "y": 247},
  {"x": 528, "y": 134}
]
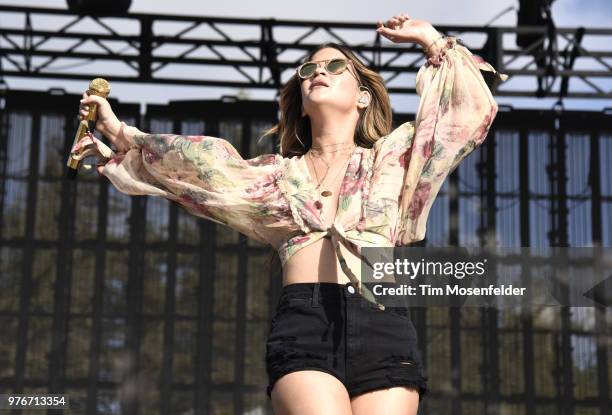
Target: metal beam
[{"x": 263, "y": 62}]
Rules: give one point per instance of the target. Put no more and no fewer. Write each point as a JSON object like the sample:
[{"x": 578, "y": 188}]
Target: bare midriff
[{"x": 318, "y": 262}]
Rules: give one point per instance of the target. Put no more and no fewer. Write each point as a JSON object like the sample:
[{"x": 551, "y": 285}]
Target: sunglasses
[{"x": 334, "y": 66}]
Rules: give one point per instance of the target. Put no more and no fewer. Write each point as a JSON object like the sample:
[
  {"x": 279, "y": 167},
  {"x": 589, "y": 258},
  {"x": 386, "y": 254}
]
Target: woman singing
[{"x": 342, "y": 181}]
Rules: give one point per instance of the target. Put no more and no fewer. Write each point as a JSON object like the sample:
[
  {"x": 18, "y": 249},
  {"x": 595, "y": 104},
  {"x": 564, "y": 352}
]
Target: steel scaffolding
[{"x": 260, "y": 53}]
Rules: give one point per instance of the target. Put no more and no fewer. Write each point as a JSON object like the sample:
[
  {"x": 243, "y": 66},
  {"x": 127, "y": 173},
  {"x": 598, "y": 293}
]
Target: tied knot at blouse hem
[{"x": 386, "y": 193}]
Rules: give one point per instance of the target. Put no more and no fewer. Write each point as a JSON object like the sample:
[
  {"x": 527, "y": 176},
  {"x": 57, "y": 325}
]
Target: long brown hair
[{"x": 375, "y": 120}]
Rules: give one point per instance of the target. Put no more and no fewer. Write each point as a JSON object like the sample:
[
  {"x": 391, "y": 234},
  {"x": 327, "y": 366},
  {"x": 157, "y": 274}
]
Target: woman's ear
[{"x": 364, "y": 99}]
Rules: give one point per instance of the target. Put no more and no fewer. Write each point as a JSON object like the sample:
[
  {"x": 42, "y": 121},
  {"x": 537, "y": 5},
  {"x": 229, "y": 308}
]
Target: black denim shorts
[{"x": 330, "y": 327}]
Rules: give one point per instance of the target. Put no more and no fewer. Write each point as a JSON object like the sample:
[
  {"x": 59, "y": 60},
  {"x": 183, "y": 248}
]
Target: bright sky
[{"x": 566, "y": 13}]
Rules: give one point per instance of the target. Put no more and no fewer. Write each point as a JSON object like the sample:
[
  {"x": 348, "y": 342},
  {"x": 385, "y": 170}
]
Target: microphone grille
[{"x": 99, "y": 86}]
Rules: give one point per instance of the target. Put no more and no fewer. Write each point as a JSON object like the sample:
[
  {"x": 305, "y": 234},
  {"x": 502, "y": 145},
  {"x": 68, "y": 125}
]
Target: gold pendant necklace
[{"x": 327, "y": 192}]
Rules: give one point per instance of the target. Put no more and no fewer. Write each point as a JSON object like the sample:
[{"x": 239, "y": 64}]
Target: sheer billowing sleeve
[
  {"x": 205, "y": 175},
  {"x": 456, "y": 109}
]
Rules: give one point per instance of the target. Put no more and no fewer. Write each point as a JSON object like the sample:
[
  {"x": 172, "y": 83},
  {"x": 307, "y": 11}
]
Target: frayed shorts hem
[
  {"x": 420, "y": 386},
  {"x": 354, "y": 391}
]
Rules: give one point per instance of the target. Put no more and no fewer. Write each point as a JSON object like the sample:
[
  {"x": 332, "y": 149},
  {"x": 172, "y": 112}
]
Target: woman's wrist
[
  {"x": 114, "y": 129},
  {"x": 131, "y": 137},
  {"x": 432, "y": 42},
  {"x": 126, "y": 136}
]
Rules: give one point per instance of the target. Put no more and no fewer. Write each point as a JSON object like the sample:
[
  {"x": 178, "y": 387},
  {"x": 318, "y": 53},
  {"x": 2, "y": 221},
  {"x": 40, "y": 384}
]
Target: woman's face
[{"x": 338, "y": 93}]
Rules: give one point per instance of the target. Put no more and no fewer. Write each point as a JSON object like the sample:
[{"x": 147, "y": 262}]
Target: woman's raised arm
[
  {"x": 206, "y": 175},
  {"x": 456, "y": 109}
]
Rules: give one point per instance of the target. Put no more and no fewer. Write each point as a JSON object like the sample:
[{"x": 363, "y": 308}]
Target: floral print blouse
[{"x": 386, "y": 193}]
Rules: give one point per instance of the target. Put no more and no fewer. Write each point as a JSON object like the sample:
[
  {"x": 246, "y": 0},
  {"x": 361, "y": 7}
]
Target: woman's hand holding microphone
[{"x": 107, "y": 122}]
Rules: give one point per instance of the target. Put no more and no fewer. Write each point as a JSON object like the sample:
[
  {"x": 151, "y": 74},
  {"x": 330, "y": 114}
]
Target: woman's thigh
[
  {"x": 398, "y": 400},
  {"x": 310, "y": 392}
]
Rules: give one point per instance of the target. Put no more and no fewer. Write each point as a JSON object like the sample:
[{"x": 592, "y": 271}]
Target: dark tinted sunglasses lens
[
  {"x": 336, "y": 66},
  {"x": 307, "y": 70}
]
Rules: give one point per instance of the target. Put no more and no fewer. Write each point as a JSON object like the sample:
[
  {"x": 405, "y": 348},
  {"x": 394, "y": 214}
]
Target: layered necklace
[{"x": 326, "y": 192}]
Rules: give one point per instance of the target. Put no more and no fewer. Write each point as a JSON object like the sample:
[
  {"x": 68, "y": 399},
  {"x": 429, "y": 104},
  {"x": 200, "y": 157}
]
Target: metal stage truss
[{"x": 260, "y": 53}]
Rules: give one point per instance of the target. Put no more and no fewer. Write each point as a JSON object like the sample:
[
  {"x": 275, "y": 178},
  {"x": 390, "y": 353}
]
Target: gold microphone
[{"x": 100, "y": 87}]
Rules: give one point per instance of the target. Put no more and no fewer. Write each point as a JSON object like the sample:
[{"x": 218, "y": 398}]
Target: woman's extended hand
[
  {"x": 402, "y": 29},
  {"x": 107, "y": 122}
]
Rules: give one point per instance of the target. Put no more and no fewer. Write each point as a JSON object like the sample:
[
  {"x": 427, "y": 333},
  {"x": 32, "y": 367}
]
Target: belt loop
[{"x": 315, "y": 295}]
